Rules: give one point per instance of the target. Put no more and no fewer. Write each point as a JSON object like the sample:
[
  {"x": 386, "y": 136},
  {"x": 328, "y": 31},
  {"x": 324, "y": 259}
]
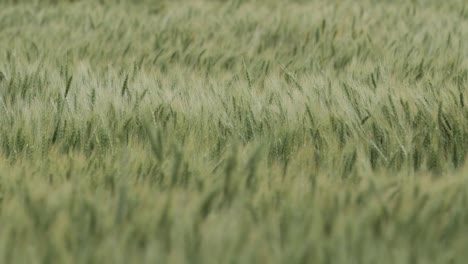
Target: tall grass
[{"x": 233, "y": 131}]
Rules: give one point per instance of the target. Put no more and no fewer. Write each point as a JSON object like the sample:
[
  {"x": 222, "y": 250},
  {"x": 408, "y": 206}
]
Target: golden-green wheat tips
[{"x": 238, "y": 131}]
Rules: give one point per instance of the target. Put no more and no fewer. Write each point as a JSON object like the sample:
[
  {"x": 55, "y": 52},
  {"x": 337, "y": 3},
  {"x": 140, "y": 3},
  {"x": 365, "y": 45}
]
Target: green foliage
[{"x": 238, "y": 131}]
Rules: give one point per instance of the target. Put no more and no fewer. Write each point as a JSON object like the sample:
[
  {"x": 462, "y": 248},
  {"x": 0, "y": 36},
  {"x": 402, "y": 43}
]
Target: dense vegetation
[{"x": 208, "y": 131}]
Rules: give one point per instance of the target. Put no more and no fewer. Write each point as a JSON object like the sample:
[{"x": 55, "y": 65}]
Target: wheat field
[{"x": 242, "y": 131}]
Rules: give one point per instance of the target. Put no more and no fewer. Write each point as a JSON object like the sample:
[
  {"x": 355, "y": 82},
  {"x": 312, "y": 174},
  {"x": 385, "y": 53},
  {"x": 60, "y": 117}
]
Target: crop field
[{"x": 242, "y": 131}]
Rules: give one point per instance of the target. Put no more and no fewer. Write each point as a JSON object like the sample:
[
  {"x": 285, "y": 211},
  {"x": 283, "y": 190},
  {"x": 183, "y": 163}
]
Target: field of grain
[{"x": 241, "y": 131}]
